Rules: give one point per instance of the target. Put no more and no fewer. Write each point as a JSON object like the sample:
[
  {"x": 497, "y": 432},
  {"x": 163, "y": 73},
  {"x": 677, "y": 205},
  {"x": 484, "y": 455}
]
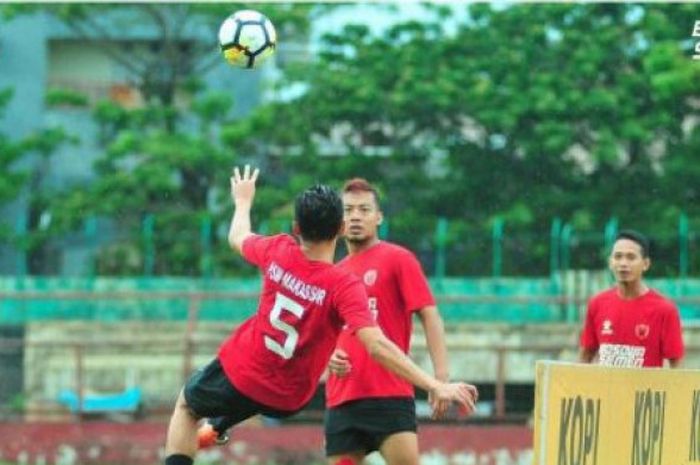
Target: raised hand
[{"x": 243, "y": 186}]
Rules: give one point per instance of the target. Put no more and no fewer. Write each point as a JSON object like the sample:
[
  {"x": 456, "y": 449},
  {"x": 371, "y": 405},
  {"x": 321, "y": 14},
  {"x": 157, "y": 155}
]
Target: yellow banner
[{"x": 593, "y": 415}]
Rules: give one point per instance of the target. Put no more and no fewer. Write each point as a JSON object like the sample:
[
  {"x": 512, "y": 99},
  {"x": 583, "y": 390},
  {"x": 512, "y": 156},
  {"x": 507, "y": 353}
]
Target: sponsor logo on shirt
[
  {"x": 641, "y": 331},
  {"x": 607, "y": 328},
  {"x": 370, "y": 277},
  {"x": 621, "y": 355}
]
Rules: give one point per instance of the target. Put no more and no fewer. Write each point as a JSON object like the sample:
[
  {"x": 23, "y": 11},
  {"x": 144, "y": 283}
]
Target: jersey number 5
[{"x": 284, "y": 304}]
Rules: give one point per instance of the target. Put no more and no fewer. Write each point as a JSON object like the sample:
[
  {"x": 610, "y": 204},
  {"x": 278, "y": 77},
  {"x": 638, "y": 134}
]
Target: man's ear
[
  {"x": 295, "y": 229},
  {"x": 381, "y": 217},
  {"x": 341, "y": 229}
]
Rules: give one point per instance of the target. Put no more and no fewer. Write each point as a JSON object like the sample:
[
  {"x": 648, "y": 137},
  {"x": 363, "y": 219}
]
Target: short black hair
[
  {"x": 319, "y": 213},
  {"x": 635, "y": 236}
]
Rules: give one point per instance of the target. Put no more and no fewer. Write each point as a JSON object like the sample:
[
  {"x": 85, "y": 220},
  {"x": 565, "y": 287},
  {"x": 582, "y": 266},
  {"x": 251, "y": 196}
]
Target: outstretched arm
[
  {"x": 242, "y": 194},
  {"x": 435, "y": 340},
  {"x": 392, "y": 358},
  {"x": 434, "y": 330}
]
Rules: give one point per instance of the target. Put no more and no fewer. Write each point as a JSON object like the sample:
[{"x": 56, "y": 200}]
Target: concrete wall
[{"x": 150, "y": 355}]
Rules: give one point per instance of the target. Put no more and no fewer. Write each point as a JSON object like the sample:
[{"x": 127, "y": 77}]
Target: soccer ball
[{"x": 247, "y": 38}]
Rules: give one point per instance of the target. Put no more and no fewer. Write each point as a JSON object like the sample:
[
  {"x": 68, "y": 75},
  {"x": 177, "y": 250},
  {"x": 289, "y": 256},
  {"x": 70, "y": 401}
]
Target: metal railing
[
  {"x": 187, "y": 342},
  {"x": 564, "y": 247},
  {"x": 189, "y": 346}
]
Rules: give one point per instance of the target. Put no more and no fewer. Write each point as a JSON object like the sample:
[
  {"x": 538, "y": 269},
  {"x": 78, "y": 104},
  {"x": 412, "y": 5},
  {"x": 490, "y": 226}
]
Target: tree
[
  {"x": 32, "y": 236},
  {"x": 164, "y": 169},
  {"x": 527, "y": 113},
  {"x": 11, "y": 180},
  {"x": 36, "y": 239},
  {"x": 522, "y": 113}
]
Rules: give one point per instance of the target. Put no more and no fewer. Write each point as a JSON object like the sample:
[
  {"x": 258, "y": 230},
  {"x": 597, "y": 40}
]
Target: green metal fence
[
  {"x": 453, "y": 248},
  {"x": 561, "y": 298}
]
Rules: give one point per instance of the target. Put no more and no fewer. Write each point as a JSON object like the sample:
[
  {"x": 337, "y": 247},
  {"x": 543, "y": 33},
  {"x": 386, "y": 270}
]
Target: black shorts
[
  {"x": 209, "y": 393},
  {"x": 362, "y": 425}
]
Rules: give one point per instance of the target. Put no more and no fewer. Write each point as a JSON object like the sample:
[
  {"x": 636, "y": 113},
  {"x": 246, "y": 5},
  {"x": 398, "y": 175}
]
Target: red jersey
[
  {"x": 632, "y": 332},
  {"x": 277, "y": 356},
  {"x": 396, "y": 287}
]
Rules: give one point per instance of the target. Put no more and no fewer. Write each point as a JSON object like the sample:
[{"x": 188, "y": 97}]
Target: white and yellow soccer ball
[{"x": 247, "y": 38}]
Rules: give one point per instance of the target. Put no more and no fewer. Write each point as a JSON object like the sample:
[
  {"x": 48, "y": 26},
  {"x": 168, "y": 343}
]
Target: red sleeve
[
  {"x": 413, "y": 283},
  {"x": 352, "y": 303},
  {"x": 256, "y": 248},
  {"x": 672, "y": 335},
  {"x": 589, "y": 337}
]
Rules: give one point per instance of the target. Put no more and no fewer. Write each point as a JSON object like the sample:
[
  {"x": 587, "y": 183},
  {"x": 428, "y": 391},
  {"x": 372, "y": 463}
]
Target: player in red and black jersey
[
  {"x": 271, "y": 364},
  {"x": 369, "y": 407},
  {"x": 631, "y": 325}
]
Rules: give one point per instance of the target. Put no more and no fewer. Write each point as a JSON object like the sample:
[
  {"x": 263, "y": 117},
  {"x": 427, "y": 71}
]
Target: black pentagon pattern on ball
[
  {"x": 268, "y": 42},
  {"x": 249, "y": 54}
]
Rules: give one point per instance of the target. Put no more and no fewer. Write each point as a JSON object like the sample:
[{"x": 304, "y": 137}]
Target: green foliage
[
  {"x": 65, "y": 97},
  {"x": 162, "y": 159},
  {"x": 11, "y": 180},
  {"x": 526, "y": 113},
  {"x": 147, "y": 169},
  {"x": 33, "y": 240},
  {"x": 16, "y": 403}
]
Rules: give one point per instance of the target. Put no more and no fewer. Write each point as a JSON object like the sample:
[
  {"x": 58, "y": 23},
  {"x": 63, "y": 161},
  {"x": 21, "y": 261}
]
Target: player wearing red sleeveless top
[
  {"x": 369, "y": 408},
  {"x": 631, "y": 325},
  {"x": 271, "y": 364}
]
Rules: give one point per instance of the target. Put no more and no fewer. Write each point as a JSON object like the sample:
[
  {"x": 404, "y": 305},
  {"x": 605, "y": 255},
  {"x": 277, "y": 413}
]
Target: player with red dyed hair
[
  {"x": 369, "y": 407},
  {"x": 272, "y": 363}
]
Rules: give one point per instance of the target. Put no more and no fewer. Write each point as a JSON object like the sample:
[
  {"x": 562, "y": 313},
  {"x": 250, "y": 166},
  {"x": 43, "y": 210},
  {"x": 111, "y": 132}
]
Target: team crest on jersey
[
  {"x": 607, "y": 327},
  {"x": 641, "y": 331},
  {"x": 370, "y": 277}
]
